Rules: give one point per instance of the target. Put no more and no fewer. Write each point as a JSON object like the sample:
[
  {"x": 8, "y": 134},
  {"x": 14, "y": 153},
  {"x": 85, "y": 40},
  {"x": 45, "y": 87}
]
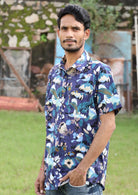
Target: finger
[
  {"x": 42, "y": 192},
  {"x": 37, "y": 187},
  {"x": 39, "y": 193},
  {"x": 64, "y": 178},
  {"x": 41, "y": 187}
]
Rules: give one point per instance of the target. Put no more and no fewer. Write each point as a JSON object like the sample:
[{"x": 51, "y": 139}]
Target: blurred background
[{"x": 29, "y": 47}]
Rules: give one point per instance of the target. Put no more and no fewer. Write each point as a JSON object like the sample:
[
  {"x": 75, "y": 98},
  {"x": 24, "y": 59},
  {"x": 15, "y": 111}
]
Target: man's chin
[{"x": 71, "y": 50}]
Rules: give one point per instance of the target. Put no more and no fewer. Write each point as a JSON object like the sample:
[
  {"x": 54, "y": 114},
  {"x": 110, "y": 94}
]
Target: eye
[
  {"x": 76, "y": 28},
  {"x": 64, "y": 28}
]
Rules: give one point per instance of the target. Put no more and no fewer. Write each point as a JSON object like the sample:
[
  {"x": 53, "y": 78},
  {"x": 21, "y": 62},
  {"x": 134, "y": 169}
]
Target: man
[{"x": 80, "y": 108}]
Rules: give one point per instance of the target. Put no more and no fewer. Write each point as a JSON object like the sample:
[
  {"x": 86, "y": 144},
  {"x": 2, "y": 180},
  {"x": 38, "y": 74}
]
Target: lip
[{"x": 69, "y": 41}]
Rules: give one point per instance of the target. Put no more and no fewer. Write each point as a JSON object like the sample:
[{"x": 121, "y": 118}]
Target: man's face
[{"x": 72, "y": 34}]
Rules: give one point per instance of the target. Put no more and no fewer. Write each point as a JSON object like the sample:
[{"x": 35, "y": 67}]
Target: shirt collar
[{"x": 79, "y": 65}]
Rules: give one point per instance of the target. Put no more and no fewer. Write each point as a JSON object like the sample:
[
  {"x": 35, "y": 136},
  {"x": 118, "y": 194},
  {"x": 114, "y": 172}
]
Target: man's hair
[{"x": 80, "y": 14}]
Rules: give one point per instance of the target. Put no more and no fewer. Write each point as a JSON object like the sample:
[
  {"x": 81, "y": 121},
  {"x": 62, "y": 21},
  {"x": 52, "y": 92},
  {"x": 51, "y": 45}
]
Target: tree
[{"x": 103, "y": 17}]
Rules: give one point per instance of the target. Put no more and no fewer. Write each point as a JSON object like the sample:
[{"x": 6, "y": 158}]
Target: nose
[{"x": 69, "y": 33}]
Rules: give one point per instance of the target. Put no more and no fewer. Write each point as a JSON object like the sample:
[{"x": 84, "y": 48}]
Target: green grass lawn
[
  {"x": 22, "y": 140},
  {"x": 122, "y": 173}
]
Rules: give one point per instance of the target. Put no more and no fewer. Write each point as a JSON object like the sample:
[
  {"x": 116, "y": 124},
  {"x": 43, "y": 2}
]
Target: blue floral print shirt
[{"x": 75, "y": 99}]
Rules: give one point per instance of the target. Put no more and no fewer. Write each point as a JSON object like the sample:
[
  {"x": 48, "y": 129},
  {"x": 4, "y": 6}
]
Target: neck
[{"x": 71, "y": 57}]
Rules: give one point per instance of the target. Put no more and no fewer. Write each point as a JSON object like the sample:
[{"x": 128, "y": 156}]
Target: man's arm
[
  {"x": 39, "y": 183},
  {"x": 77, "y": 176}
]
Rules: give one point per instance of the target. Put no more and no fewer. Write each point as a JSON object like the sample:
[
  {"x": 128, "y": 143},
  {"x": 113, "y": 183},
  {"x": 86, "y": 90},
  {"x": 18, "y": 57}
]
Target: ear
[
  {"x": 87, "y": 34},
  {"x": 58, "y": 32}
]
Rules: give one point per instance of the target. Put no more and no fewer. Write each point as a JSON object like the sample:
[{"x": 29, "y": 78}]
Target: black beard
[{"x": 71, "y": 50}]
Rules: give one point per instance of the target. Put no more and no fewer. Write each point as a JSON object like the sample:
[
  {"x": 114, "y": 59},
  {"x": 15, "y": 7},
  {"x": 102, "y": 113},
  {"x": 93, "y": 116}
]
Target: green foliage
[
  {"x": 103, "y": 18},
  {"x": 29, "y": 29},
  {"x": 43, "y": 38},
  {"x": 40, "y": 24}
]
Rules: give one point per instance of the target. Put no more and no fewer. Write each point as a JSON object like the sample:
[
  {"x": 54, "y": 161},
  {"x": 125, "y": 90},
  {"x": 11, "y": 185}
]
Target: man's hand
[
  {"x": 39, "y": 184},
  {"x": 77, "y": 177}
]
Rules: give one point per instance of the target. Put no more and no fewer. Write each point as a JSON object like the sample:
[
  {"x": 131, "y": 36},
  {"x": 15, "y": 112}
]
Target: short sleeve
[
  {"x": 50, "y": 78},
  {"x": 48, "y": 84},
  {"x": 107, "y": 97}
]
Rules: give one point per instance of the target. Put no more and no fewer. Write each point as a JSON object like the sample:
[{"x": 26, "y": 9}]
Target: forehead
[{"x": 69, "y": 20}]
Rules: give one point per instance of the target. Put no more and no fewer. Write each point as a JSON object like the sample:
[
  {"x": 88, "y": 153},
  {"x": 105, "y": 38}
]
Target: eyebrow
[{"x": 73, "y": 27}]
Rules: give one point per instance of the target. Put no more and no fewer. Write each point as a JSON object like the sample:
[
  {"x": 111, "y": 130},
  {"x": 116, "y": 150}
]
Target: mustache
[{"x": 72, "y": 40}]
